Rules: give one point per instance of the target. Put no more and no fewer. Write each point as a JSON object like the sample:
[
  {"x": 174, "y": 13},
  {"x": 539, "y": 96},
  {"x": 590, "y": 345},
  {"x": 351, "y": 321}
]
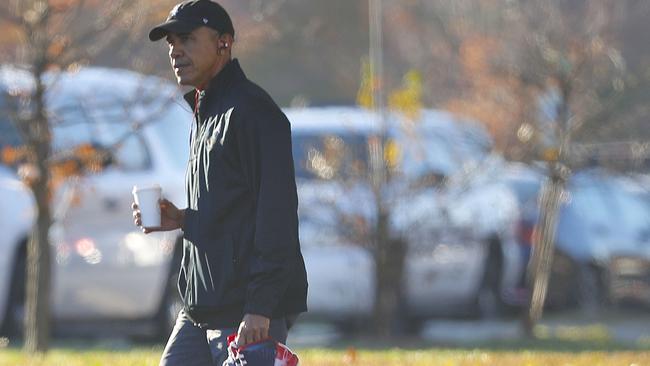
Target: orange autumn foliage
[
  {"x": 83, "y": 159},
  {"x": 496, "y": 99}
]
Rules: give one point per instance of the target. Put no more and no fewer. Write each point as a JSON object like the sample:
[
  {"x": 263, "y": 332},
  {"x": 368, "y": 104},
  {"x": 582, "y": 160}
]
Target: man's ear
[{"x": 225, "y": 42}]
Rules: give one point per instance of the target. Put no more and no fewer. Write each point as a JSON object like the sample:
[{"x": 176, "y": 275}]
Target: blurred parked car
[
  {"x": 335, "y": 209},
  {"x": 108, "y": 274},
  {"x": 106, "y": 270},
  {"x": 457, "y": 217},
  {"x": 458, "y": 225},
  {"x": 16, "y": 219},
  {"x": 602, "y": 241}
]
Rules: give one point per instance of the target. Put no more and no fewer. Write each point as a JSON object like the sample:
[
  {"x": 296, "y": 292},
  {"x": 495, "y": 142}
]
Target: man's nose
[{"x": 175, "y": 51}]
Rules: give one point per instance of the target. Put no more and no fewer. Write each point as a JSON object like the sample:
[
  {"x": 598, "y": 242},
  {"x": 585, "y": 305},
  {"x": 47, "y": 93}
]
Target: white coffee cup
[{"x": 148, "y": 200}]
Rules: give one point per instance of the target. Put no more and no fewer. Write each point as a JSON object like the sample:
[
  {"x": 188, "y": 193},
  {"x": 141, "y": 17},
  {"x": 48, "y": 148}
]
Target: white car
[
  {"x": 602, "y": 239},
  {"x": 15, "y": 221},
  {"x": 445, "y": 202},
  {"x": 458, "y": 218},
  {"x": 330, "y": 154},
  {"x": 105, "y": 269}
]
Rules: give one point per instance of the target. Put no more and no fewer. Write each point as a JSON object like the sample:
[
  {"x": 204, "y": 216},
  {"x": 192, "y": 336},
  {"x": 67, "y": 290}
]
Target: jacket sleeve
[{"x": 264, "y": 138}]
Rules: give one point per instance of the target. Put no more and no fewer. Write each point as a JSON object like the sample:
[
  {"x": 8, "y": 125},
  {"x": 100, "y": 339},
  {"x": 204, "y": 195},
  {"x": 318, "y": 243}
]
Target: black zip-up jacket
[{"x": 241, "y": 253}]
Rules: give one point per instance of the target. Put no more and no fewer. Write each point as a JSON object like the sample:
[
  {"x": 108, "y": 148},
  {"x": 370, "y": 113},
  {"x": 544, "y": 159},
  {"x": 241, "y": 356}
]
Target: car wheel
[
  {"x": 351, "y": 326},
  {"x": 562, "y": 292},
  {"x": 590, "y": 285},
  {"x": 488, "y": 303},
  {"x": 412, "y": 325},
  {"x": 15, "y": 312}
]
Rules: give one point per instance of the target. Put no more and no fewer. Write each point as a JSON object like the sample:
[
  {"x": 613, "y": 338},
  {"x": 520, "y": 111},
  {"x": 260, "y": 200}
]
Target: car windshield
[
  {"x": 631, "y": 211},
  {"x": 419, "y": 156},
  {"x": 112, "y": 123},
  {"x": 439, "y": 146},
  {"x": 525, "y": 190},
  {"x": 589, "y": 204},
  {"x": 9, "y": 135},
  {"x": 323, "y": 156},
  {"x": 611, "y": 208},
  {"x": 75, "y": 125}
]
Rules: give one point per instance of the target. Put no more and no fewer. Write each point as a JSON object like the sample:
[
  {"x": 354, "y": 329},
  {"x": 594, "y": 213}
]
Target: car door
[{"x": 106, "y": 268}]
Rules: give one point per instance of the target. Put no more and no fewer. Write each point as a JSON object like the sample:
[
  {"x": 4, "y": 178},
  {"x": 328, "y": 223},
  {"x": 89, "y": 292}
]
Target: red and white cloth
[{"x": 264, "y": 353}]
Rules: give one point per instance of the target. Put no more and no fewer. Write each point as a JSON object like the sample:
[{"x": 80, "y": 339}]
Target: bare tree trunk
[
  {"x": 50, "y": 36},
  {"x": 543, "y": 248},
  {"x": 389, "y": 260},
  {"x": 37, "y": 306},
  {"x": 389, "y": 254},
  {"x": 37, "y": 310},
  {"x": 544, "y": 239}
]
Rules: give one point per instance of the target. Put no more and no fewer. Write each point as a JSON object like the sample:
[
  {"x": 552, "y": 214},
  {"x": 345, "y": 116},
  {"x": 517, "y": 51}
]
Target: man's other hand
[
  {"x": 171, "y": 218},
  {"x": 253, "y": 328}
]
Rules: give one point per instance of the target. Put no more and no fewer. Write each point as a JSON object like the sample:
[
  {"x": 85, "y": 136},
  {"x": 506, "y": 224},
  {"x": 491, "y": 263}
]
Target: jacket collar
[{"x": 230, "y": 74}]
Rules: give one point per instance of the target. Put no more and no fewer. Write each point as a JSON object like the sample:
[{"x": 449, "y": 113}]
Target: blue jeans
[{"x": 191, "y": 345}]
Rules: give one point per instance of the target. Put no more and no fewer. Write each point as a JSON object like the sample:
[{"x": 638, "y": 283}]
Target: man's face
[{"x": 194, "y": 56}]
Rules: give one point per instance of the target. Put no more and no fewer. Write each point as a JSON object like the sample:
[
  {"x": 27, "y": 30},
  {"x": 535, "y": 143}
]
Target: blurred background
[{"x": 463, "y": 167}]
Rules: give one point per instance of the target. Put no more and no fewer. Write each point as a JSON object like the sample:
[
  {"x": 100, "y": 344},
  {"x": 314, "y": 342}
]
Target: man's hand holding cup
[{"x": 152, "y": 213}]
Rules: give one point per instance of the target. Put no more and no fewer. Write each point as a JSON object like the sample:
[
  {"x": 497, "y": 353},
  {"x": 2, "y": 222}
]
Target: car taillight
[{"x": 525, "y": 232}]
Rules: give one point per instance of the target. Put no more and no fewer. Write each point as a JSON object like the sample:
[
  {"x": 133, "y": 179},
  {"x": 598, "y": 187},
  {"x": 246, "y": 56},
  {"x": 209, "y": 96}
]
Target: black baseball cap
[{"x": 189, "y": 15}]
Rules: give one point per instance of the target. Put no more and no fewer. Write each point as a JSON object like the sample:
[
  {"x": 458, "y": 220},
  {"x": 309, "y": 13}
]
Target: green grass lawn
[
  {"x": 570, "y": 346},
  {"x": 365, "y": 357}
]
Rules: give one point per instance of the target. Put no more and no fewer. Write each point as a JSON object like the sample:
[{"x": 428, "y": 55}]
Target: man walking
[{"x": 242, "y": 269}]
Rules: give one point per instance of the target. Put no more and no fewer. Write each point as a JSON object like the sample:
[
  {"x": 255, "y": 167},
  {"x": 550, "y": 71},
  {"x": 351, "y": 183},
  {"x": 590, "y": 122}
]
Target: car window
[
  {"x": 105, "y": 127},
  {"x": 79, "y": 121},
  {"x": 439, "y": 146},
  {"x": 329, "y": 156},
  {"x": 609, "y": 208},
  {"x": 8, "y": 133},
  {"x": 110, "y": 127},
  {"x": 421, "y": 155},
  {"x": 587, "y": 202},
  {"x": 526, "y": 191},
  {"x": 132, "y": 154},
  {"x": 631, "y": 212}
]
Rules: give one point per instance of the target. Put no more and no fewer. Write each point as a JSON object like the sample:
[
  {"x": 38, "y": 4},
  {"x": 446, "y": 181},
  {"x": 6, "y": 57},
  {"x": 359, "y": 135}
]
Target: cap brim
[{"x": 170, "y": 26}]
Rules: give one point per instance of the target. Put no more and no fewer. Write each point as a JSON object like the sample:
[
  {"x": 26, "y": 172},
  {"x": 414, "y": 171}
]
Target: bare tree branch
[{"x": 91, "y": 41}]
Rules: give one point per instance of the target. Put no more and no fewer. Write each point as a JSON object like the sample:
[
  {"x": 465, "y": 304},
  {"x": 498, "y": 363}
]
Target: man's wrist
[{"x": 181, "y": 222}]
